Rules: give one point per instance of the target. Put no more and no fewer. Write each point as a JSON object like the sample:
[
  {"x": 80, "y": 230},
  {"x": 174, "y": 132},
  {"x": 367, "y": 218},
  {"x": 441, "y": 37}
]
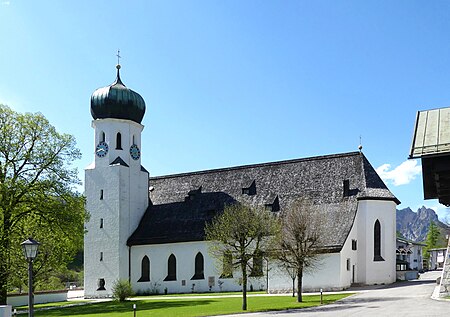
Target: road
[{"x": 412, "y": 298}]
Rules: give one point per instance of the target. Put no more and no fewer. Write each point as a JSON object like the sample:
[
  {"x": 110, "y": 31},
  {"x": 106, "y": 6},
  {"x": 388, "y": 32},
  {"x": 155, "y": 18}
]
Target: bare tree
[
  {"x": 240, "y": 236},
  {"x": 302, "y": 228}
]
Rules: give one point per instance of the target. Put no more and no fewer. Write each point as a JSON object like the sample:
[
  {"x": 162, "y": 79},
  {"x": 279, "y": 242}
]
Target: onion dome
[{"x": 118, "y": 102}]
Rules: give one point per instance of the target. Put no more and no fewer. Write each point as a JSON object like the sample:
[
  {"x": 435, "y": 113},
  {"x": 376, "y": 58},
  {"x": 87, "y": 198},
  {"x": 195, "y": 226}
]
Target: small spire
[{"x": 118, "y": 80}]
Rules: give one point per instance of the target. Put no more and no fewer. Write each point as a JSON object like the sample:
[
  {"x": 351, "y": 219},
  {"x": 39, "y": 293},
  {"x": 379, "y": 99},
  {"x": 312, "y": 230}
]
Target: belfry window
[
  {"x": 199, "y": 267},
  {"x": 101, "y": 256},
  {"x": 118, "y": 141},
  {"x": 145, "y": 270},
  {"x": 101, "y": 194},
  {"x": 377, "y": 242},
  {"x": 171, "y": 269},
  {"x": 102, "y": 137},
  {"x": 101, "y": 223}
]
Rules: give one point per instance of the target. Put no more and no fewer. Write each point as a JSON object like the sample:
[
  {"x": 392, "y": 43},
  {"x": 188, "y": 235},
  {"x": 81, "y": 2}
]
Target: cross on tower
[{"x": 118, "y": 57}]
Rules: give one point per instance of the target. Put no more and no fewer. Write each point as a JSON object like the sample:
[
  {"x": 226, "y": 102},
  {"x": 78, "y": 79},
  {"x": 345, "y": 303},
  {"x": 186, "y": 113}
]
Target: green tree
[
  {"x": 302, "y": 229},
  {"x": 432, "y": 239},
  {"x": 37, "y": 196},
  {"x": 237, "y": 235}
]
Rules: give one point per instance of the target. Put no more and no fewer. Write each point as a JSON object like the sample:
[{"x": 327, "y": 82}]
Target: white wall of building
[
  {"x": 116, "y": 198},
  {"x": 185, "y": 263},
  {"x": 349, "y": 271},
  {"x": 370, "y": 271},
  {"x": 325, "y": 276}
]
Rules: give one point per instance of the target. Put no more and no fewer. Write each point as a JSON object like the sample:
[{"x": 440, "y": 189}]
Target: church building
[{"x": 150, "y": 230}]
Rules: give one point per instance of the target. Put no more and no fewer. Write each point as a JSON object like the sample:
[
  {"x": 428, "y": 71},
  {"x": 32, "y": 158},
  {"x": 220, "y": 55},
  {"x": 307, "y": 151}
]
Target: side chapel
[{"x": 150, "y": 230}]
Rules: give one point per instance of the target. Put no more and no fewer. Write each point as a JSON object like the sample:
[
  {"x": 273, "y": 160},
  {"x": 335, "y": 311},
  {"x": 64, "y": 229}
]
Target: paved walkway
[{"x": 412, "y": 298}]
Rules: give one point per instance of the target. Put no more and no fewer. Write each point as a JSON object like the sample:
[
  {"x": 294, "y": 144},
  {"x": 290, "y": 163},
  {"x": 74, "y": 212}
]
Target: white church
[{"x": 150, "y": 230}]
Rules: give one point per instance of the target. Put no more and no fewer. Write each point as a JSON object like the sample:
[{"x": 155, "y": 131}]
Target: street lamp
[{"x": 30, "y": 249}]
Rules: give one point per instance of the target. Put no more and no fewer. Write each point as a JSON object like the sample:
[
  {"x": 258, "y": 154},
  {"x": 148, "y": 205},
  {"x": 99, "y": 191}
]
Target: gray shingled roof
[{"x": 182, "y": 203}]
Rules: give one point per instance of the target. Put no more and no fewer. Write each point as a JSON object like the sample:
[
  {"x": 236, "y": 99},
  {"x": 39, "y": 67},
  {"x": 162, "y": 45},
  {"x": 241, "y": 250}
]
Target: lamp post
[{"x": 30, "y": 249}]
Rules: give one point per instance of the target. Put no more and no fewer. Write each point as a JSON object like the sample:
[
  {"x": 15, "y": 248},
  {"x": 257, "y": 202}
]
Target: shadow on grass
[{"x": 117, "y": 307}]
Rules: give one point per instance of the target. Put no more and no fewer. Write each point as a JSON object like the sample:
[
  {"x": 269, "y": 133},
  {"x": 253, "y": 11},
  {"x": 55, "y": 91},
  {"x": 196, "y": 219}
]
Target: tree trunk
[
  {"x": 293, "y": 286},
  {"x": 3, "y": 271},
  {"x": 244, "y": 285},
  {"x": 3, "y": 289},
  {"x": 299, "y": 285}
]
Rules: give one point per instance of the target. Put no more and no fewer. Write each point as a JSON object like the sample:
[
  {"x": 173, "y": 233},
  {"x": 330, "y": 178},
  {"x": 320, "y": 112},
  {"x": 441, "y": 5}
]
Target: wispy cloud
[
  {"x": 6, "y": 3},
  {"x": 402, "y": 174}
]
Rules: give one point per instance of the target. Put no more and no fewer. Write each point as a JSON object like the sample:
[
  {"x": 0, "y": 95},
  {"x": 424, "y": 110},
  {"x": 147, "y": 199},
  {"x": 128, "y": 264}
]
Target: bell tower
[{"x": 116, "y": 186}]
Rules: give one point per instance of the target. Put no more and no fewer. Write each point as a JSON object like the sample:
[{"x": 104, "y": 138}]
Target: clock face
[
  {"x": 101, "y": 149},
  {"x": 135, "y": 152}
]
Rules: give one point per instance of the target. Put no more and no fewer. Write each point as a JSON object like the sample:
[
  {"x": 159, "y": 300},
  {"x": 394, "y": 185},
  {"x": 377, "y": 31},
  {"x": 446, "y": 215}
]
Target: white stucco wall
[
  {"x": 39, "y": 298},
  {"x": 125, "y": 199},
  {"x": 325, "y": 276},
  {"x": 349, "y": 275},
  {"x": 370, "y": 271},
  {"x": 185, "y": 255}
]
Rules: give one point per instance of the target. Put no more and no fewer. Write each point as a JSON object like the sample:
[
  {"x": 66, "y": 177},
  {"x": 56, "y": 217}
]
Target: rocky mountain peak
[{"x": 414, "y": 225}]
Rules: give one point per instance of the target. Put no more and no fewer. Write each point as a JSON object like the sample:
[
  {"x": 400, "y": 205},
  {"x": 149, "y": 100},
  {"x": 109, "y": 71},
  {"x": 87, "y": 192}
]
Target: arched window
[
  {"x": 133, "y": 140},
  {"x": 102, "y": 136},
  {"x": 257, "y": 268},
  {"x": 101, "y": 284},
  {"x": 118, "y": 141},
  {"x": 171, "y": 269},
  {"x": 145, "y": 270},
  {"x": 199, "y": 267},
  {"x": 377, "y": 241},
  {"x": 227, "y": 265}
]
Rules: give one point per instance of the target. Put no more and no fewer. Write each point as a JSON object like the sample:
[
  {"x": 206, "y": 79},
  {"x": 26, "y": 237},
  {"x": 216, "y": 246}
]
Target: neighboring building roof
[
  {"x": 431, "y": 133},
  {"x": 182, "y": 203},
  {"x": 431, "y": 143},
  {"x": 437, "y": 249},
  {"x": 404, "y": 240}
]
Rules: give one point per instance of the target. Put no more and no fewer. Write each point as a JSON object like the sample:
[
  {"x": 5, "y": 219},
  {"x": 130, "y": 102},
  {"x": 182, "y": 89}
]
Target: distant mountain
[{"x": 414, "y": 225}]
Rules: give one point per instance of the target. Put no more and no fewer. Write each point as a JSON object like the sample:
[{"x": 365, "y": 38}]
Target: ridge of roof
[{"x": 275, "y": 163}]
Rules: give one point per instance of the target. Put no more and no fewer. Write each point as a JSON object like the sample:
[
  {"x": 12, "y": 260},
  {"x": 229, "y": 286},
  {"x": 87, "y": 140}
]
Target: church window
[
  {"x": 199, "y": 267},
  {"x": 118, "y": 141},
  {"x": 101, "y": 256},
  {"x": 171, "y": 269},
  {"x": 145, "y": 270},
  {"x": 101, "y": 284},
  {"x": 227, "y": 265},
  {"x": 101, "y": 194},
  {"x": 348, "y": 264},
  {"x": 377, "y": 241},
  {"x": 133, "y": 140},
  {"x": 101, "y": 223},
  {"x": 257, "y": 269},
  {"x": 354, "y": 245},
  {"x": 102, "y": 136}
]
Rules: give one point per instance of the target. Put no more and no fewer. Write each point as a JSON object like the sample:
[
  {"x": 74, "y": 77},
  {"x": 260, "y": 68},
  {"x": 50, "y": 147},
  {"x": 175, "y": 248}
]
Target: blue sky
[{"x": 238, "y": 82}]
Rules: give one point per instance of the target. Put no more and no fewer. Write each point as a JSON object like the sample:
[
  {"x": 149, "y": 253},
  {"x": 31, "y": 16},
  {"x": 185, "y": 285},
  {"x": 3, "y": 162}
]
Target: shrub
[{"x": 121, "y": 290}]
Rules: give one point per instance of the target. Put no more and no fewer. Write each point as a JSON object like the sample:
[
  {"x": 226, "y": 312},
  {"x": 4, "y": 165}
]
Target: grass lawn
[
  {"x": 55, "y": 304},
  {"x": 189, "y": 307},
  {"x": 198, "y": 294}
]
